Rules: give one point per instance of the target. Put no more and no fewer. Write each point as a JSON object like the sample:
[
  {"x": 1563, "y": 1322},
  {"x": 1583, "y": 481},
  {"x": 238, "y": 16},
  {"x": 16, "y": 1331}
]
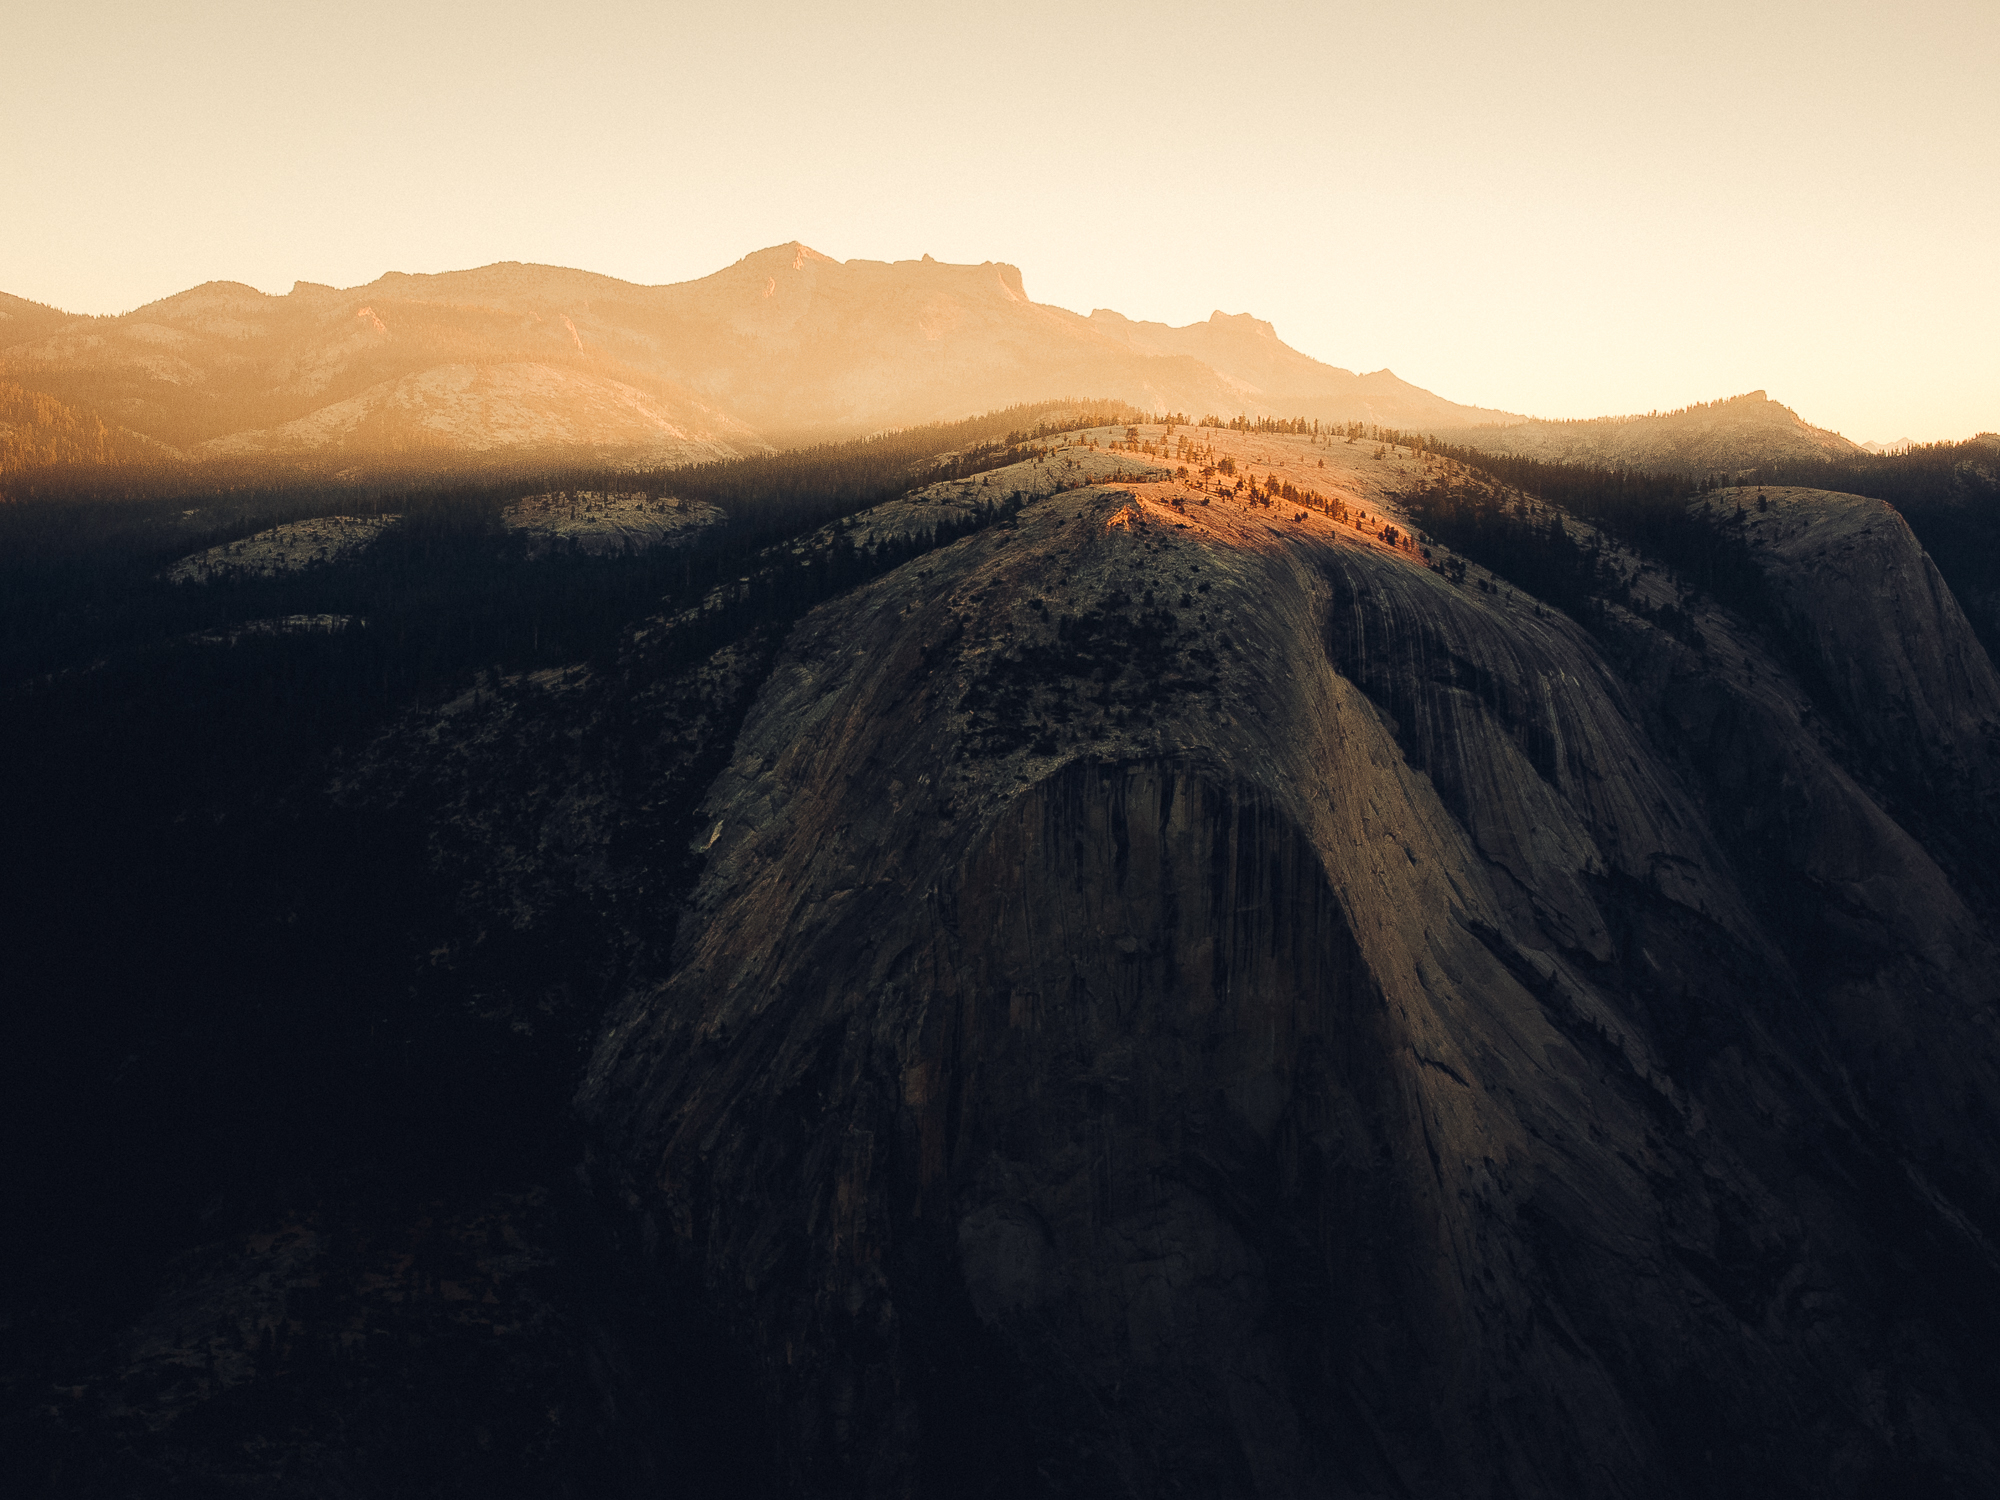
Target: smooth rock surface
[{"x": 1187, "y": 997}]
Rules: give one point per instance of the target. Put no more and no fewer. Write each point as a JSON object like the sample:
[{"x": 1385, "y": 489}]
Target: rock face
[
  {"x": 1184, "y": 997},
  {"x": 1881, "y": 631}
]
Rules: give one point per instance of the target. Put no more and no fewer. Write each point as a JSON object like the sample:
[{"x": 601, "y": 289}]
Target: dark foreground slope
[
  {"x": 1210, "y": 1004},
  {"x": 1076, "y": 985}
]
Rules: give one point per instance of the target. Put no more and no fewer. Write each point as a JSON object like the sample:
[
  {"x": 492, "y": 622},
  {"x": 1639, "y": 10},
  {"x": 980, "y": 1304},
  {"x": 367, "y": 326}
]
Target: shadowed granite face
[
  {"x": 1177, "y": 995},
  {"x": 1177, "y": 999}
]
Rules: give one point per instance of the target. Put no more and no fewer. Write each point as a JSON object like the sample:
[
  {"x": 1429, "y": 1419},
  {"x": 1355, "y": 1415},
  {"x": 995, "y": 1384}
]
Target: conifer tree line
[
  {"x": 1506, "y": 514},
  {"x": 94, "y": 643},
  {"x": 38, "y": 431},
  {"x": 1292, "y": 426},
  {"x": 165, "y": 774},
  {"x": 1691, "y": 409},
  {"x": 1480, "y": 504}
]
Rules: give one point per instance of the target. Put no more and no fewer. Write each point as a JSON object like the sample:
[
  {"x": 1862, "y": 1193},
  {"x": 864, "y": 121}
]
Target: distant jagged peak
[
  {"x": 766, "y": 270},
  {"x": 1242, "y": 323},
  {"x": 1111, "y": 321},
  {"x": 1227, "y": 324},
  {"x": 793, "y": 255}
]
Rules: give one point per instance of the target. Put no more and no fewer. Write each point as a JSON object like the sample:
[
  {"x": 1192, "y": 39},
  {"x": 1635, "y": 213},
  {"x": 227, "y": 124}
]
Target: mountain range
[{"x": 787, "y": 346}]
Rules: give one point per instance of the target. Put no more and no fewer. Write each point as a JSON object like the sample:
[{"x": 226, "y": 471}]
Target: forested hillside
[
  {"x": 1949, "y": 493},
  {"x": 40, "y": 432},
  {"x": 1710, "y": 437},
  {"x": 22, "y": 320},
  {"x": 247, "y": 1041}
]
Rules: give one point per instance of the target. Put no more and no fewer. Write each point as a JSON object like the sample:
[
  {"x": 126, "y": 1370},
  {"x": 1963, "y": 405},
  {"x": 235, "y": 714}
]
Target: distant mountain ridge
[
  {"x": 22, "y": 320},
  {"x": 786, "y": 345},
  {"x": 1737, "y": 432},
  {"x": 1276, "y": 375}
]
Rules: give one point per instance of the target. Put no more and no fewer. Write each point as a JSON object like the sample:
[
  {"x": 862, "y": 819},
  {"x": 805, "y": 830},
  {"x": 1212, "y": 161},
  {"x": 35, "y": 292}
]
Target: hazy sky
[{"x": 1564, "y": 209}]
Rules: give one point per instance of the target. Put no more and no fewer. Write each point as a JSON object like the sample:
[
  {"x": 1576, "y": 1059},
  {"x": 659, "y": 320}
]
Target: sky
[{"x": 1562, "y": 209}]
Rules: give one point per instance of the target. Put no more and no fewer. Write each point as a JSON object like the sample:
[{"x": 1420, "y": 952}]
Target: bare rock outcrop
[
  {"x": 1877, "y": 625},
  {"x": 1186, "y": 996},
  {"x": 288, "y": 548},
  {"x": 599, "y": 524}
]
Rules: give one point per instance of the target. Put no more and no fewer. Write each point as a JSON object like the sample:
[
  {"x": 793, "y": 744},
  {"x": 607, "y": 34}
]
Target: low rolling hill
[{"x": 1738, "y": 432}]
